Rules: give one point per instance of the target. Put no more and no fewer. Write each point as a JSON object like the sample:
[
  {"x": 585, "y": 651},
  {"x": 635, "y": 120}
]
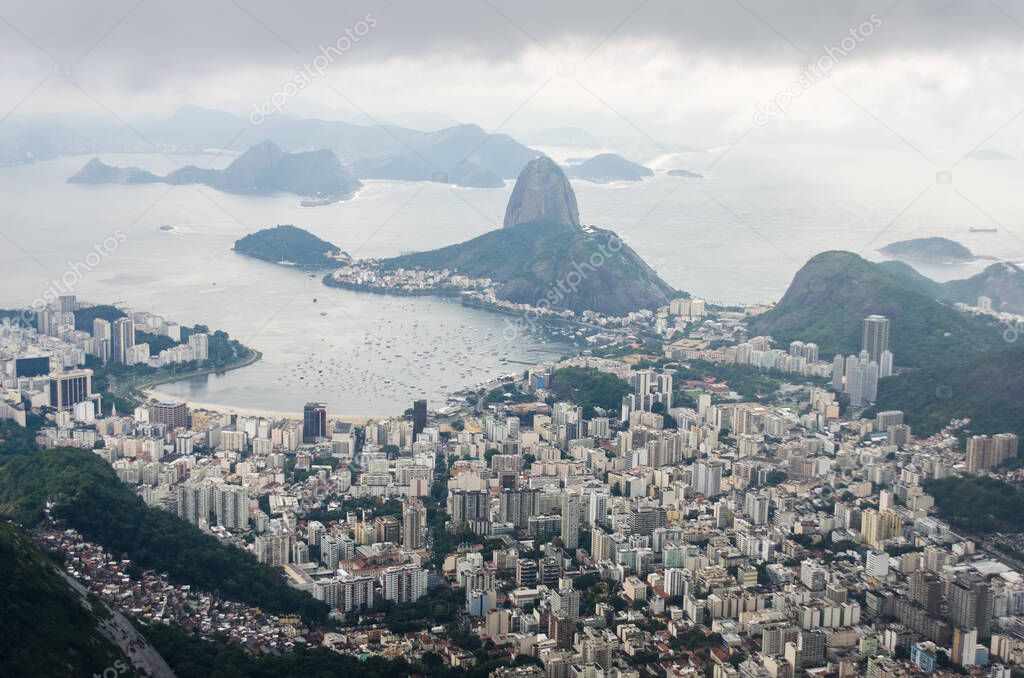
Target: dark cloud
[{"x": 148, "y": 42}]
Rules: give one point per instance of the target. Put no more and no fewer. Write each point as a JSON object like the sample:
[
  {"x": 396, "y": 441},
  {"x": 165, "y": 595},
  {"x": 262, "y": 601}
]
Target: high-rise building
[
  {"x": 419, "y": 418},
  {"x": 885, "y": 368},
  {"x": 597, "y": 509},
  {"x": 470, "y": 507},
  {"x": 171, "y": 414},
  {"x": 707, "y": 477},
  {"x": 314, "y": 422},
  {"x": 571, "y": 507},
  {"x": 875, "y": 337},
  {"x": 985, "y": 454},
  {"x": 200, "y": 345},
  {"x": 122, "y": 340},
  {"x": 838, "y": 370},
  {"x": 67, "y": 389},
  {"x": 231, "y": 505},
  {"x": 516, "y": 506},
  {"x": 403, "y": 583},
  {"x": 526, "y": 572},
  {"x": 970, "y": 605},
  {"x": 414, "y": 518}
]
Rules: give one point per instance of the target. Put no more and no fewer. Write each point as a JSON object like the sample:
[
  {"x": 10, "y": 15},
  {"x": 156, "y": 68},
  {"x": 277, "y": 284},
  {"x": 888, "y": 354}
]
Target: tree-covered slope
[
  {"x": 45, "y": 629},
  {"x": 978, "y": 505},
  {"x": 289, "y": 244},
  {"x": 88, "y": 494},
  {"x": 833, "y": 292},
  {"x": 560, "y": 265},
  {"x": 589, "y": 388},
  {"x": 989, "y": 389}
]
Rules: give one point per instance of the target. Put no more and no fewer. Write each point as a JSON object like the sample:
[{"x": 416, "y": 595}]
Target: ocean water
[{"x": 738, "y": 236}]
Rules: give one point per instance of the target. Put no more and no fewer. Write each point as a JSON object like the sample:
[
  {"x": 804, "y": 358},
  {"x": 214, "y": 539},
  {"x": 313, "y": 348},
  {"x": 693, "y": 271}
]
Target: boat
[
  {"x": 323, "y": 312},
  {"x": 983, "y": 230}
]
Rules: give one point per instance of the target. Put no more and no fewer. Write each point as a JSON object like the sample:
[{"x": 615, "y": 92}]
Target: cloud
[{"x": 685, "y": 71}]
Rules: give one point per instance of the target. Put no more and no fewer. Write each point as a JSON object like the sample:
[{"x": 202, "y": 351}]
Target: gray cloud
[
  {"x": 146, "y": 43},
  {"x": 687, "y": 72}
]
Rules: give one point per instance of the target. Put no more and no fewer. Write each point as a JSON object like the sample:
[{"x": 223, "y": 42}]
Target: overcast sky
[{"x": 936, "y": 75}]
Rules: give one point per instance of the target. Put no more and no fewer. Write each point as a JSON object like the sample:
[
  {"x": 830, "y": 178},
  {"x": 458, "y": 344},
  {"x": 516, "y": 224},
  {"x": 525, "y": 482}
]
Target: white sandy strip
[{"x": 359, "y": 419}]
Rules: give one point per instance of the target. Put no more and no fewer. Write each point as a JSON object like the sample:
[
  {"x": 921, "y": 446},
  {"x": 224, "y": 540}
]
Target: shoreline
[{"x": 195, "y": 405}]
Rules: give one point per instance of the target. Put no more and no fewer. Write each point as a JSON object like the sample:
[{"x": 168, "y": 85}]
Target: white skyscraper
[
  {"x": 707, "y": 477},
  {"x": 885, "y": 366}
]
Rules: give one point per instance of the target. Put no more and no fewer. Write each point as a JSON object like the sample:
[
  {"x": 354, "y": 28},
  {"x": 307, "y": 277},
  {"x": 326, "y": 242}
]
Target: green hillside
[
  {"x": 567, "y": 266},
  {"x": 978, "y": 505},
  {"x": 291, "y": 245},
  {"x": 989, "y": 389},
  {"x": 87, "y": 494},
  {"x": 1003, "y": 283},
  {"x": 833, "y": 292},
  {"x": 589, "y": 388},
  {"x": 45, "y": 629}
]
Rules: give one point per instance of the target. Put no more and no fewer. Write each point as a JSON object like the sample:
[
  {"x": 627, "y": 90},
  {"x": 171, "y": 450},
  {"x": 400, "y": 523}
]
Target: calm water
[{"x": 737, "y": 237}]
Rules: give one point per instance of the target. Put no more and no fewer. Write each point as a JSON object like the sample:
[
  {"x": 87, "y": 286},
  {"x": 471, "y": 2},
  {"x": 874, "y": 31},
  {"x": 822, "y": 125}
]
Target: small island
[
  {"x": 608, "y": 167},
  {"x": 292, "y": 246},
  {"x": 929, "y": 250}
]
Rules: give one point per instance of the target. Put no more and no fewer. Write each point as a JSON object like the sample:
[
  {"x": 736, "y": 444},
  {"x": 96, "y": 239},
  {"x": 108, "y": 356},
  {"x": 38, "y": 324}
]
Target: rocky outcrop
[{"x": 542, "y": 193}]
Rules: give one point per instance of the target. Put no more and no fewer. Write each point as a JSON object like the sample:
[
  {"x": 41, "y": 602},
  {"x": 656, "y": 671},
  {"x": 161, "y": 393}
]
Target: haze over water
[{"x": 736, "y": 237}]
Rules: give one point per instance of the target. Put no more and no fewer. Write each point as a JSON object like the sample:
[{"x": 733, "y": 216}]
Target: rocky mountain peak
[{"x": 542, "y": 193}]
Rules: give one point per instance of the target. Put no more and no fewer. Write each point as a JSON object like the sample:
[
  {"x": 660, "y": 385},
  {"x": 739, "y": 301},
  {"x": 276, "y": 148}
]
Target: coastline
[
  {"x": 194, "y": 405},
  {"x": 253, "y": 357}
]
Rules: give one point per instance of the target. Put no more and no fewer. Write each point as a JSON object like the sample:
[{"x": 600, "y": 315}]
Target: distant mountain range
[
  {"x": 262, "y": 169},
  {"x": 463, "y": 155},
  {"x": 543, "y": 256},
  {"x": 1002, "y": 282}
]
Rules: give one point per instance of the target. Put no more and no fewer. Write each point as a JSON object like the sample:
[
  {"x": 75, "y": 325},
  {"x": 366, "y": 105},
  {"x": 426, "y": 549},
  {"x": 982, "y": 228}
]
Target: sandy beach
[{"x": 357, "y": 419}]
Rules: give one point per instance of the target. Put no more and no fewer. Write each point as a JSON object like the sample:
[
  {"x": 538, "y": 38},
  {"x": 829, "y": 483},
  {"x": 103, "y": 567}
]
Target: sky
[{"x": 934, "y": 76}]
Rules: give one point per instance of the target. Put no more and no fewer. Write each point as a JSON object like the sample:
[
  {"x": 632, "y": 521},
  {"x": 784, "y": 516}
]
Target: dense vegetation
[
  {"x": 87, "y": 493},
  {"x": 546, "y": 263},
  {"x": 507, "y": 393},
  {"x": 1003, "y": 283},
  {"x": 832, "y": 294},
  {"x": 87, "y": 314},
  {"x": 988, "y": 389},
  {"x": 44, "y": 628},
  {"x": 589, "y": 388},
  {"x": 15, "y": 439},
  {"x": 978, "y": 504},
  {"x": 289, "y": 244},
  {"x": 928, "y": 249}
]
